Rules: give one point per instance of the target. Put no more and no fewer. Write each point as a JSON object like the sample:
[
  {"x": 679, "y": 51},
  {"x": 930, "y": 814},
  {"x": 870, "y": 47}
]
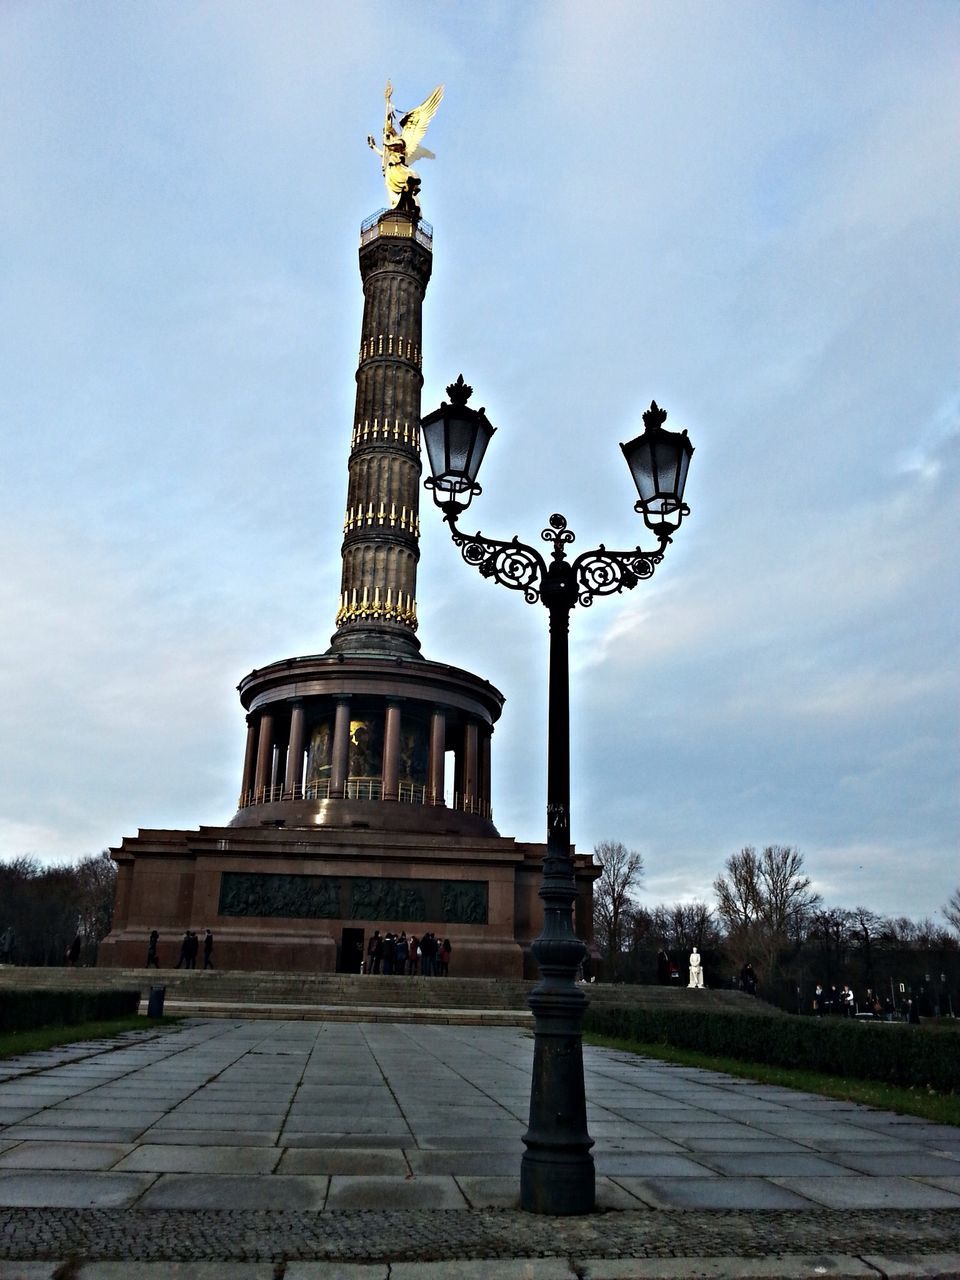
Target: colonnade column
[
  {"x": 340, "y": 755},
  {"x": 249, "y": 761},
  {"x": 470, "y": 761},
  {"x": 295, "y": 749},
  {"x": 264, "y": 752},
  {"x": 485, "y": 785},
  {"x": 391, "y": 752},
  {"x": 435, "y": 764}
]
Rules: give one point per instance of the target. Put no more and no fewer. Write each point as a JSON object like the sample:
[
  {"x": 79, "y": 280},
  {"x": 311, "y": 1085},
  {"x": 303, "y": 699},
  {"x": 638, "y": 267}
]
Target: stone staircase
[{"x": 354, "y": 998}]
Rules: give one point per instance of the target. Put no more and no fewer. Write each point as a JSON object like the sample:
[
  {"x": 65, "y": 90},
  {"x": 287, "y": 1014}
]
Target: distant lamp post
[{"x": 557, "y": 1173}]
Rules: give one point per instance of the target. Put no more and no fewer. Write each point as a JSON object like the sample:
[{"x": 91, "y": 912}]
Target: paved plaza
[{"x": 315, "y": 1149}]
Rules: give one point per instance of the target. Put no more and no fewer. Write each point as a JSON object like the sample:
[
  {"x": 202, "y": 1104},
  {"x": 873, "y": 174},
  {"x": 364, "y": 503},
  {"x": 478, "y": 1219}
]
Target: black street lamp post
[{"x": 557, "y": 1173}]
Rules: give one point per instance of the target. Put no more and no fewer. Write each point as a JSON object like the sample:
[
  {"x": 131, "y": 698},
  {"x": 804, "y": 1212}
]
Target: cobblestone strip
[{"x": 427, "y": 1235}]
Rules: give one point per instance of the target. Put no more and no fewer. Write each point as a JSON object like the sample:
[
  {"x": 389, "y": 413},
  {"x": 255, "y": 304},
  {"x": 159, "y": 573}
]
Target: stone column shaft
[
  {"x": 485, "y": 784},
  {"x": 340, "y": 754},
  {"x": 470, "y": 759},
  {"x": 391, "y": 752},
  {"x": 264, "y": 752},
  {"x": 437, "y": 761},
  {"x": 295, "y": 749},
  {"x": 249, "y": 760}
]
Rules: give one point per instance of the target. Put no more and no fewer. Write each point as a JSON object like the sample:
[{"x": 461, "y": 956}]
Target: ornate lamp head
[
  {"x": 658, "y": 460},
  {"x": 456, "y": 437}
]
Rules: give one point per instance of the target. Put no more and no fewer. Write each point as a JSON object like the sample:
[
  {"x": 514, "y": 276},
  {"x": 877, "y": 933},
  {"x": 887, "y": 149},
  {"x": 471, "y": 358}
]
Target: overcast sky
[{"x": 747, "y": 211}]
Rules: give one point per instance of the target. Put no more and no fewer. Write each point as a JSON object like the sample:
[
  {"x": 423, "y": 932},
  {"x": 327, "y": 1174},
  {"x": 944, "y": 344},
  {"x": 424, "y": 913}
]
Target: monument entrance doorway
[{"x": 351, "y": 951}]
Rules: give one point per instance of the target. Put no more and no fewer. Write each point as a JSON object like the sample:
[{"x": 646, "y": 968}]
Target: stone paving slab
[
  {"x": 347, "y": 1160},
  {"x": 55, "y": 1133},
  {"x": 921, "y": 1163},
  {"x": 200, "y": 1191},
  {"x": 162, "y": 1158},
  {"x": 944, "y": 1266},
  {"x": 372, "y": 1192},
  {"x": 64, "y": 1155},
  {"x": 951, "y": 1183},
  {"x": 56, "y": 1190},
  {"x": 711, "y": 1193},
  {"x": 872, "y": 1193},
  {"x": 782, "y": 1268},
  {"x": 774, "y": 1164}
]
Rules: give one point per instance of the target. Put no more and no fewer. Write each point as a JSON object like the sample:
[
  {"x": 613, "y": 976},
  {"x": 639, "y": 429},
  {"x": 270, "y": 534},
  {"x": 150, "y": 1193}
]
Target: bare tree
[
  {"x": 867, "y": 928},
  {"x": 830, "y": 930},
  {"x": 786, "y": 898},
  {"x": 738, "y": 894},
  {"x": 692, "y": 924},
  {"x": 96, "y": 881},
  {"x": 952, "y": 910},
  {"x": 613, "y": 900},
  {"x": 765, "y": 904},
  {"x": 43, "y": 908}
]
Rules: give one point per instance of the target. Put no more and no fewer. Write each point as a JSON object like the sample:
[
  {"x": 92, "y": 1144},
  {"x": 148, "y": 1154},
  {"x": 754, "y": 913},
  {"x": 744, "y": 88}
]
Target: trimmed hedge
[
  {"x": 893, "y": 1053},
  {"x": 25, "y": 1010}
]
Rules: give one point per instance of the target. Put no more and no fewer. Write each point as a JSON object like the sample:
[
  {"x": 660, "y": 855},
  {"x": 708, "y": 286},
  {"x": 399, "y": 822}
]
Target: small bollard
[{"x": 155, "y": 1002}]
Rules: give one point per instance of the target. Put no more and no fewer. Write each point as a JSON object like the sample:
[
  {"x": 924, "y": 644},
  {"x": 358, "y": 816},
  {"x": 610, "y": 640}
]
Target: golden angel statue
[{"x": 401, "y": 146}]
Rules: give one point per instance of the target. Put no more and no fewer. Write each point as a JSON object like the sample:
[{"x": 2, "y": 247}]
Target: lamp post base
[
  {"x": 557, "y": 1174},
  {"x": 557, "y": 1184}
]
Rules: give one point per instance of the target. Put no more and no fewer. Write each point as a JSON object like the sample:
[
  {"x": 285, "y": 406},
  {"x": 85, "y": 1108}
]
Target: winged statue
[{"x": 401, "y": 147}]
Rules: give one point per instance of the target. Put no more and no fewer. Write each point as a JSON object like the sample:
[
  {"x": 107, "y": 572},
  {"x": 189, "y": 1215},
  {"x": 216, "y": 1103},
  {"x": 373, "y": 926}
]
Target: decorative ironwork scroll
[
  {"x": 594, "y": 573},
  {"x": 510, "y": 563}
]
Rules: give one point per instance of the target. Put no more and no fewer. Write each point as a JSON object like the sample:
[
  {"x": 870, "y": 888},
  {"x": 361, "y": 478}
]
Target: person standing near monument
[
  {"x": 152, "y": 941},
  {"x": 207, "y": 950}
]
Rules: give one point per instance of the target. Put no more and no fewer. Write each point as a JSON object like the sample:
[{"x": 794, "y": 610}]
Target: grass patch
[
  {"x": 13, "y": 1043},
  {"x": 941, "y": 1108}
]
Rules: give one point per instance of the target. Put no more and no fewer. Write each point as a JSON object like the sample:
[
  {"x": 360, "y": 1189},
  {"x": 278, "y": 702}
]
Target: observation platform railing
[
  {"x": 402, "y": 227},
  {"x": 361, "y": 789}
]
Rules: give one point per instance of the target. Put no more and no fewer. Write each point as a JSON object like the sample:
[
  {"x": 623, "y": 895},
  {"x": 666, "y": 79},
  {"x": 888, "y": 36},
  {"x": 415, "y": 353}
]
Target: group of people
[
  {"x": 398, "y": 954},
  {"x": 189, "y": 950},
  {"x": 829, "y": 1002}
]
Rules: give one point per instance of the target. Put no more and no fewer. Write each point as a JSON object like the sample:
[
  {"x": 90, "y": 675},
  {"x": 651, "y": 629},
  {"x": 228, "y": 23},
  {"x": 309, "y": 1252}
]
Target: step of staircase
[
  {"x": 347, "y": 1013},
  {"x": 472, "y": 1001}
]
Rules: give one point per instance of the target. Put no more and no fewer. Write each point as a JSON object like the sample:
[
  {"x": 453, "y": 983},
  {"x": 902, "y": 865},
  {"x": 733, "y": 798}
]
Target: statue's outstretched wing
[{"x": 413, "y": 125}]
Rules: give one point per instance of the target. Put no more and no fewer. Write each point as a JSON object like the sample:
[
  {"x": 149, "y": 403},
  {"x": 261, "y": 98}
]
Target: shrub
[
  {"x": 893, "y": 1053},
  {"x": 26, "y": 1010}
]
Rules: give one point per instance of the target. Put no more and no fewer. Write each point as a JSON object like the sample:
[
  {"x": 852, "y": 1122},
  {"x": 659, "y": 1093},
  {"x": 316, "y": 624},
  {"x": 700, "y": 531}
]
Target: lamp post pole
[{"x": 557, "y": 1172}]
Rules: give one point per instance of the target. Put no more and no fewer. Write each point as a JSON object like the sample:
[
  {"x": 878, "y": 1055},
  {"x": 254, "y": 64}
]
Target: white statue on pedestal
[{"x": 696, "y": 970}]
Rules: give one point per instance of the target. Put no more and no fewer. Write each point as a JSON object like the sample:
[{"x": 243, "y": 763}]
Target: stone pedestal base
[{"x": 307, "y": 900}]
